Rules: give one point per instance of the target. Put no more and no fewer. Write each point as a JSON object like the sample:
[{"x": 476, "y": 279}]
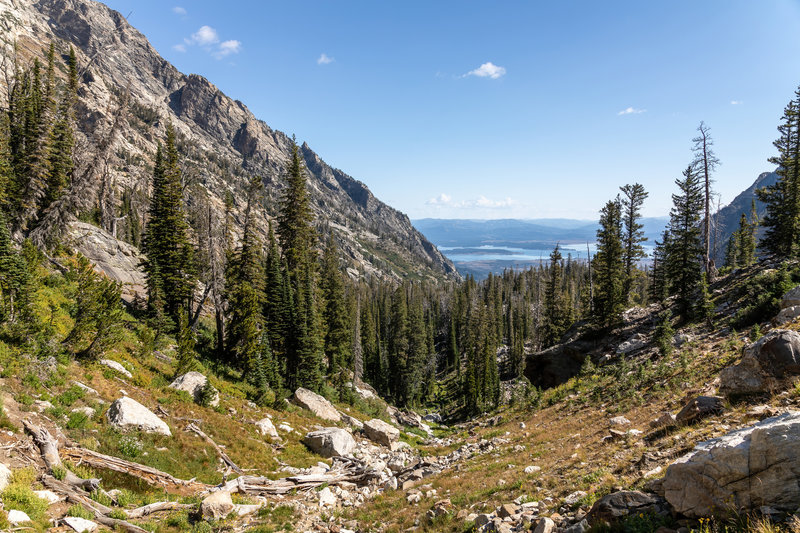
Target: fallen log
[
  {"x": 148, "y": 474},
  {"x": 48, "y": 447},
  {"x": 145, "y": 510},
  {"x": 225, "y": 459},
  {"x": 350, "y": 471},
  {"x": 99, "y": 510}
]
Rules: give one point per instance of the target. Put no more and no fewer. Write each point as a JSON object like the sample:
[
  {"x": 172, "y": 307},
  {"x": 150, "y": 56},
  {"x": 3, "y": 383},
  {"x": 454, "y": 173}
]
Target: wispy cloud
[
  {"x": 481, "y": 202},
  {"x": 205, "y": 36},
  {"x": 736, "y": 102},
  {"x": 631, "y": 111},
  {"x": 488, "y": 70},
  {"x": 325, "y": 59},
  {"x": 442, "y": 199},
  {"x": 208, "y": 39},
  {"x": 227, "y": 48},
  {"x": 178, "y": 10}
]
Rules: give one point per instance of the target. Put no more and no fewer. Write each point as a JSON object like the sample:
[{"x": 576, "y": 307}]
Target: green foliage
[
  {"x": 59, "y": 472},
  {"x": 684, "y": 254},
  {"x": 80, "y": 511},
  {"x": 633, "y": 197},
  {"x": 20, "y": 496},
  {"x": 97, "y": 311},
  {"x": 170, "y": 264},
  {"x": 130, "y": 446},
  {"x": 760, "y": 295},
  {"x": 77, "y": 420},
  {"x": 662, "y": 337},
  {"x": 556, "y": 316},
  {"x": 186, "y": 355},
  {"x": 207, "y": 394},
  {"x": 609, "y": 266}
]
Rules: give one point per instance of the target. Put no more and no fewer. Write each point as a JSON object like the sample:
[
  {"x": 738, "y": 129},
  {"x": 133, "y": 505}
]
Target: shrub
[
  {"x": 21, "y": 497},
  {"x": 80, "y": 512},
  {"x": 130, "y": 446},
  {"x": 77, "y": 420}
]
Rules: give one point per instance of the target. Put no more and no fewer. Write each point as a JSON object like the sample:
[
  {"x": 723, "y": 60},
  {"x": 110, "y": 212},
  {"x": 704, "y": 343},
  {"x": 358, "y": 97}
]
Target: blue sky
[{"x": 497, "y": 109}]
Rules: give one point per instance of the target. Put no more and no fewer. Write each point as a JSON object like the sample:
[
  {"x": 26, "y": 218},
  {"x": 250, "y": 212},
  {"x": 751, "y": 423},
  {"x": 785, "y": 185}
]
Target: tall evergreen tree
[
  {"x": 684, "y": 262},
  {"x": 170, "y": 268},
  {"x": 338, "y": 336},
  {"x": 14, "y": 277},
  {"x": 555, "y": 319},
  {"x": 782, "y": 199},
  {"x": 609, "y": 269},
  {"x": 633, "y": 197}
]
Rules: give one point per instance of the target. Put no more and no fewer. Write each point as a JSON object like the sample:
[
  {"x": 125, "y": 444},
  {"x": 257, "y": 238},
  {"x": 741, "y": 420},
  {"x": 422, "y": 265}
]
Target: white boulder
[
  {"x": 116, "y": 366},
  {"x": 79, "y": 524},
  {"x": 381, "y": 432},
  {"x": 127, "y": 413},
  {"x": 267, "y": 428},
  {"x": 316, "y": 404},
  {"x": 193, "y": 383},
  {"x": 330, "y": 442}
]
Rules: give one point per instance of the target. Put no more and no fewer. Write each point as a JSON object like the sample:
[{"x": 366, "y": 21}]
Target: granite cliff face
[{"x": 129, "y": 94}]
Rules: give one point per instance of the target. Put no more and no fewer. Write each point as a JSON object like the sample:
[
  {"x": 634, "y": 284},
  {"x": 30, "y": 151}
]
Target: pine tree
[
  {"x": 187, "y": 358},
  {"x": 633, "y": 197},
  {"x": 170, "y": 268},
  {"x": 244, "y": 285},
  {"x": 746, "y": 236},
  {"x": 684, "y": 262},
  {"x": 337, "y": 333},
  {"x": 14, "y": 277},
  {"x": 608, "y": 266},
  {"x": 556, "y": 314},
  {"x": 782, "y": 199}
]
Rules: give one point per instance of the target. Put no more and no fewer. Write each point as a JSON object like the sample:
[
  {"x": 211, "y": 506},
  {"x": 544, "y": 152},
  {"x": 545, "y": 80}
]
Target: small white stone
[
  {"x": 17, "y": 517},
  {"x": 48, "y": 495},
  {"x": 80, "y": 524}
]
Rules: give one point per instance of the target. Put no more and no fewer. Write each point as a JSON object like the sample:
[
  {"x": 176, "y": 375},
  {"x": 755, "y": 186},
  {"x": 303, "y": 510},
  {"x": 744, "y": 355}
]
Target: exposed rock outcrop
[
  {"x": 193, "y": 383},
  {"x": 127, "y": 413},
  {"x": 743, "y": 470},
  {"x": 316, "y": 404},
  {"x": 381, "y": 432},
  {"x": 765, "y": 365},
  {"x": 330, "y": 442}
]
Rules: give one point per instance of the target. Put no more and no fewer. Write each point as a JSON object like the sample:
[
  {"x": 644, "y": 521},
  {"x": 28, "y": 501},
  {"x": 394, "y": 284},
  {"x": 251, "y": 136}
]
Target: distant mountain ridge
[{"x": 521, "y": 233}]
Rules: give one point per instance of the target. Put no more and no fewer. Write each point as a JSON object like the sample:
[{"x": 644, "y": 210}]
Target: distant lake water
[{"x": 508, "y": 253}]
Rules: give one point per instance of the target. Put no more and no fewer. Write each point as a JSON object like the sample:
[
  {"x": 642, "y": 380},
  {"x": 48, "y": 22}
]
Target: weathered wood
[
  {"x": 148, "y": 474},
  {"x": 224, "y": 456},
  {"x": 145, "y": 510},
  {"x": 99, "y": 510},
  {"x": 48, "y": 447}
]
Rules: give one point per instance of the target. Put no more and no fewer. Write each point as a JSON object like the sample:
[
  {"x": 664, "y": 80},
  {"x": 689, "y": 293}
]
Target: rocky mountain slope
[
  {"x": 727, "y": 219},
  {"x": 128, "y": 94}
]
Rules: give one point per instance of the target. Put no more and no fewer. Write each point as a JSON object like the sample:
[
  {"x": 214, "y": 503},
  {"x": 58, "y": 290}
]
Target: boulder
[
  {"x": 791, "y": 298},
  {"x": 612, "y": 507},
  {"x": 127, "y": 413},
  {"x": 5, "y": 476},
  {"x": 352, "y": 421},
  {"x": 789, "y": 314},
  {"x": 436, "y": 418},
  {"x": 316, "y": 404},
  {"x": 663, "y": 421},
  {"x": 699, "y": 407},
  {"x": 217, "y": 505},
  {"x": 116, "y": 366},
  {"x": 81, "y": 525},
  {"x": 637, "y": 342},
  {"x": 545, "y": 525},
  {"x": 88, "y": 411},
  {"x": 619, "y": 421},
  {"x": 745, "y": 469},
  {"x": 193, "y": 383},
  {"x": 765, "y": 364},
  {"x": 381, "y": 432},
  {"x": 327, "y": 498},
  {"x": 49, "y": 496},
  {"x": 330, "y": 442},
  {"x": 267, "y": 428},
  {"x": 16, "y": 517}
]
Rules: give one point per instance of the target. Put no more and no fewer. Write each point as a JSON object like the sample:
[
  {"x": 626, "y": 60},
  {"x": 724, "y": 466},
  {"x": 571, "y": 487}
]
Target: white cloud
[
  {"x": 179, "y": 48},
  {"x": 325, "y": 59},
  {"x": 736, "y": 102},
  {"x": 631, "y": 111},
  {"x": 487, "y": 70},
  {"x": 205, "y": 36},
  {"x": 178, "y": 10},
  {"x": 442, "y": 199},
  {"x": 227, "y": 48},
  {"x": 484, "y": 202}
]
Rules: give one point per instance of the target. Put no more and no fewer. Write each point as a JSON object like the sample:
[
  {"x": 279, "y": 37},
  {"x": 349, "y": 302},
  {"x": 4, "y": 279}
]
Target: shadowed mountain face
[
  {"x": 727, "y": 219},
  {"x": 129, "y": 94}
]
